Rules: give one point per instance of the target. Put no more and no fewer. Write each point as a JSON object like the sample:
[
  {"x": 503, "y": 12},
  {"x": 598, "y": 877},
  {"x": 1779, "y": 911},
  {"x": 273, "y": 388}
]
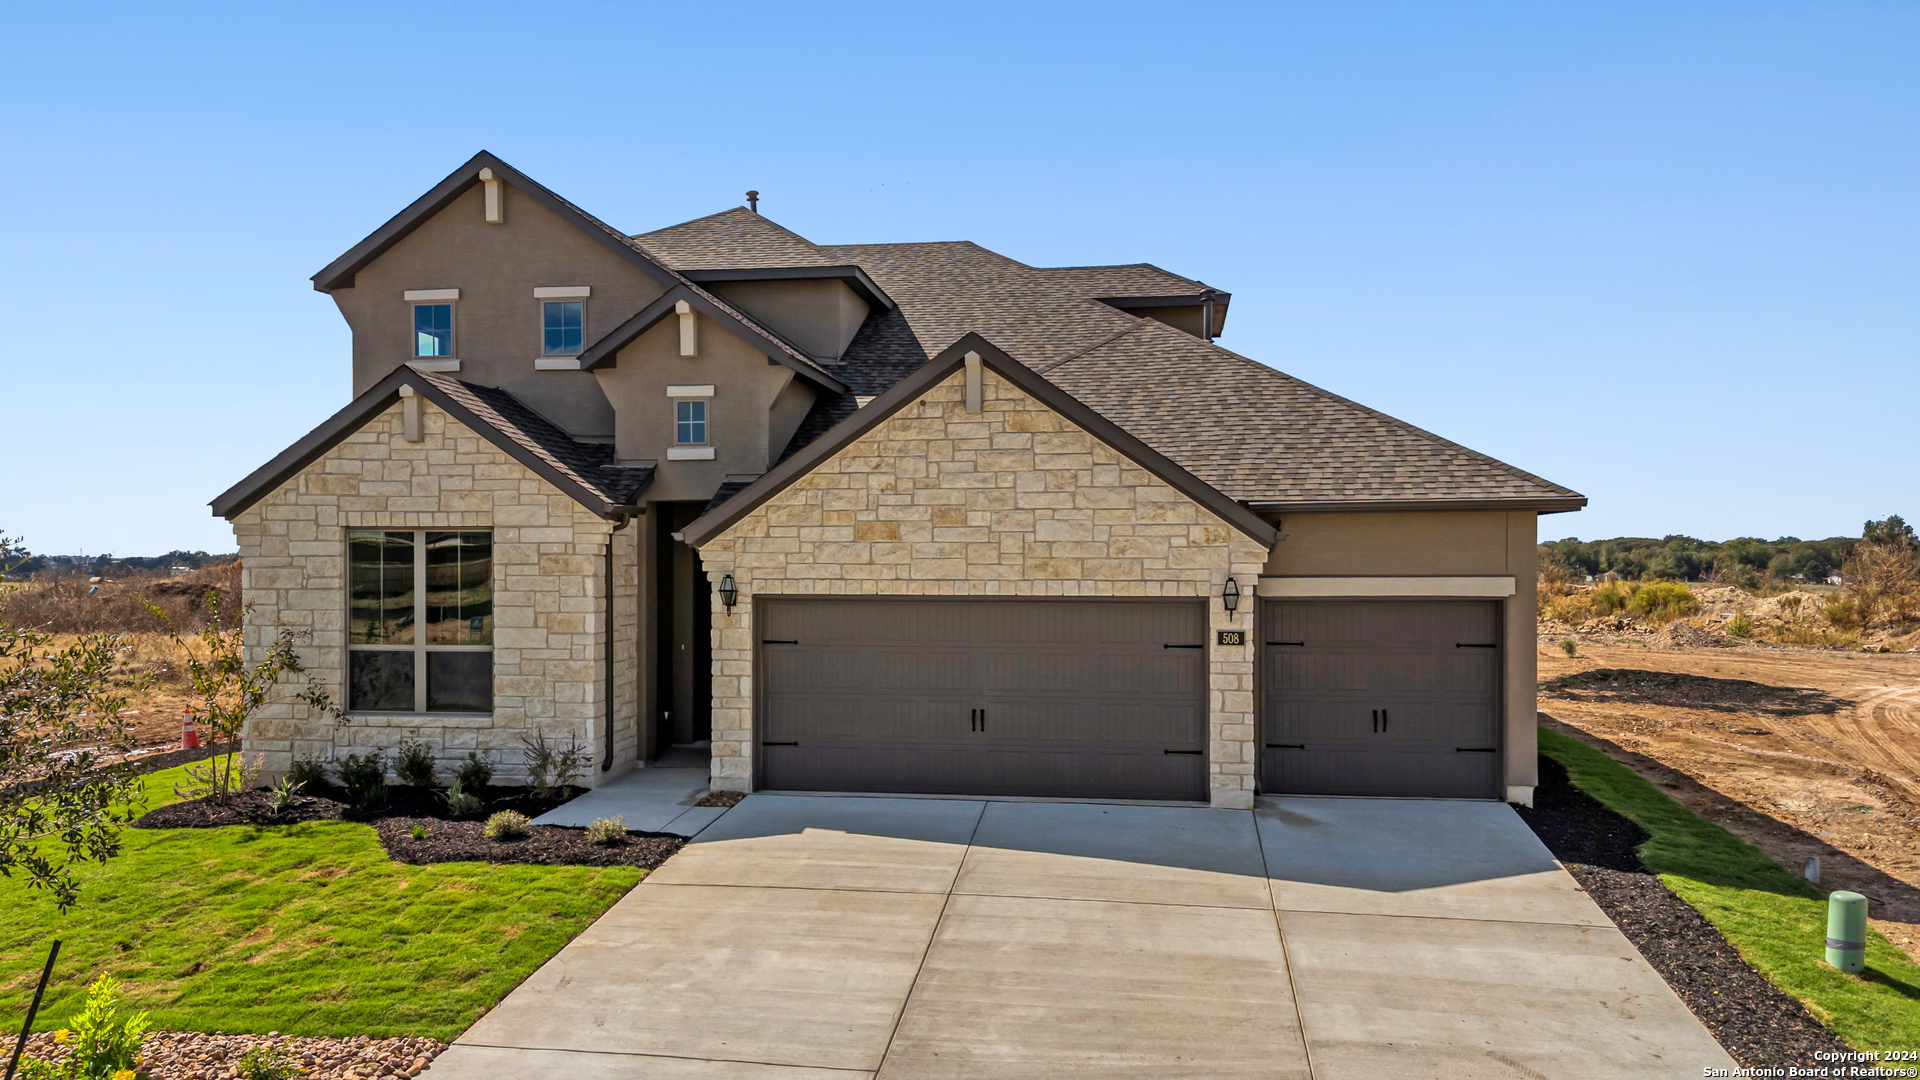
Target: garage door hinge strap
[
  {"x": 1180, "y": 646},
  {"x": 1195, "y": 753},
  {"x": 1475, "y": 645},
  {"x": 1295, "y": 644},
  {"x": 777, "y": 641},
  {"x": 1286, "y": 746},
  {"x": 1473, "y": 749},
  {"x": 779, "y": 744}
]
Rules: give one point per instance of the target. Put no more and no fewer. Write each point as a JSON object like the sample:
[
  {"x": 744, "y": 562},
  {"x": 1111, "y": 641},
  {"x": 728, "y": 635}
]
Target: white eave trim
[
  {"x": 435, "y": 363},
  {"x": 689, "y": 453},
  {"x": 1489, "y": 588},
  {"x": 420, "y": 296},
  {"x": 563, "y": 292},
  {"x": 705, "y": 390},
  {"x": 556, "y": 363}
]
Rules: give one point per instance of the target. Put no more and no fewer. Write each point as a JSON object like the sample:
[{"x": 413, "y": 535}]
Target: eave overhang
[
  {"x": 605, "y": 351},
  {"x": 855, "y": 278}
]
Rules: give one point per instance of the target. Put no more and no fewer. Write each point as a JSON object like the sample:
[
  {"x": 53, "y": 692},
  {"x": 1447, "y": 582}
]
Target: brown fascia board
[
  {"x": 929, "y": 375},
  {"x": 603, "y": 353},
  {"x": 856, "y": 279},
  {"x": 1547, "y": 505},
  {"x": 285, "y": 465},
  {"x": 1221, "y": 300},
  {"x": 339, "y": 273}
]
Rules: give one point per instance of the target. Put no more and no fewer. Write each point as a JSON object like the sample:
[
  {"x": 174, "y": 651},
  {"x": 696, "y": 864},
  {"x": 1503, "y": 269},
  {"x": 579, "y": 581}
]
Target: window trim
[
  {"x": 575, "y": 355},
  {"x": 419, "y": 648},
  {"x": 453, "y": 327}
]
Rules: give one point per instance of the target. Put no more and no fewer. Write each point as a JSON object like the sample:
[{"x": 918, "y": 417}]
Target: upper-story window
[
  {"x": 433, "y": 329},
  {"x": 563, "y": 323},
  {"x": 690, "y": 422}
]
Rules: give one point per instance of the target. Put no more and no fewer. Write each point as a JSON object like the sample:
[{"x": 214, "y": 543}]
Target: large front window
[{"x": 419, "y": 621}]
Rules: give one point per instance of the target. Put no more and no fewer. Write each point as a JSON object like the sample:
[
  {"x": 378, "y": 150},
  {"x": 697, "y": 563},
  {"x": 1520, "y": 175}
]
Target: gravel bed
[
  {"x": 194, "y": 1055},
  {"x": 1756, "y": 1023},
  {"x": 544, "y": 845}
]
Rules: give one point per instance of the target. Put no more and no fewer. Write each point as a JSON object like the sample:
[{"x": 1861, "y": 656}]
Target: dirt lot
[{"x": 1801, "y": 751}]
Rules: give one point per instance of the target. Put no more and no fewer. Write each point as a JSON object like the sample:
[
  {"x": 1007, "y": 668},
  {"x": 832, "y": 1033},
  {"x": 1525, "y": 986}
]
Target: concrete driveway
[{"x": 802, "y": 938}]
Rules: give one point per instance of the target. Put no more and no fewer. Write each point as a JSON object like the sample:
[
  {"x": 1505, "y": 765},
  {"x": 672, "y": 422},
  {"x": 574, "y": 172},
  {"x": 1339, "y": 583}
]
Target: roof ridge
[
  {"x": 1138, "y": 325},
  {"x": 1377, "y": 414}
]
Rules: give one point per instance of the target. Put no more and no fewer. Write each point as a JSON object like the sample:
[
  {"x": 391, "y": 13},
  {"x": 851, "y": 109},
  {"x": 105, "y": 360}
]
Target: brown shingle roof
[
  {"x": 729, "y": 240},
  {"x": 1264, "y": 436},
  {"x": 589, "y": 465}
]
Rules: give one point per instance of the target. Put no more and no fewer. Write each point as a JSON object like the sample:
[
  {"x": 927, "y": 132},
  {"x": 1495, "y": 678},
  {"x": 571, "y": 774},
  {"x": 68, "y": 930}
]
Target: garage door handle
[
  {"x": 776, "y": 641},
  {"x": 1383, "y": 720},
  {"x": 1180, "y": 646},
  {"x": 779, "y": 744},
  {"x": 1474, "y": 749},
  {"x": 973, "y": 719},
  {"x": 1295, "y": 644},
  {"x": 1286, "y": 746},
  {"x": 1475, "y": 645},
  {"x": 1193, "y": 753},
  {"x": 983, "y": 719},
  {"x": 1376, "y": 721}
]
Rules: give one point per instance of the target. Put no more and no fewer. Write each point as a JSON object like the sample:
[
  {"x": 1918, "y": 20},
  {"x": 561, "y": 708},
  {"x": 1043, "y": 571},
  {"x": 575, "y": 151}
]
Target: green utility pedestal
[{"x": 1847, "y": 931}]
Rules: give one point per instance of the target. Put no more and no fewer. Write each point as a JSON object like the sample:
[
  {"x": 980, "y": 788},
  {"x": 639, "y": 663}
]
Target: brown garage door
[
  {"x": 1065, "y": 698},
  {"x": 1382, "y": 698}
]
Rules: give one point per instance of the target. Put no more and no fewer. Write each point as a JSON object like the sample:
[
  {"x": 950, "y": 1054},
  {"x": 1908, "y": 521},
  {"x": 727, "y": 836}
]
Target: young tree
[
  {"x": 65, "y": 790},
  {"x": 1889, "y": 531},
  {"x": 229, "y": 690}
]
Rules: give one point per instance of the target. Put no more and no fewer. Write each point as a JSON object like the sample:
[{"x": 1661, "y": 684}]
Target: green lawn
[
  {"x": 1776, "y": 920},
  {"x": 304, "y": 929}
]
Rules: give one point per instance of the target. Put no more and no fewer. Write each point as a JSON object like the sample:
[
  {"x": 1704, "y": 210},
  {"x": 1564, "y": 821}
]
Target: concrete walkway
[
  {"x": 658, "y": 798},
  {"x": 802, "y": 938}
]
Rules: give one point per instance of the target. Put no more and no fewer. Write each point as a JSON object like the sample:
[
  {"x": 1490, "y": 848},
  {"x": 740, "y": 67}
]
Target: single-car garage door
[
  {"x": 1397, "y": 698},
  {"x": 1055, "y": 697}
]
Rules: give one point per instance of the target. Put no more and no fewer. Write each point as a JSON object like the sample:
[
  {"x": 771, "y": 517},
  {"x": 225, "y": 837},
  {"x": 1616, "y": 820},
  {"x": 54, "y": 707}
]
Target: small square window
[
  {"x": 691, "y": 422},
  {"x": 562, "y": 324},
  {"x": 433, "y": 329}
]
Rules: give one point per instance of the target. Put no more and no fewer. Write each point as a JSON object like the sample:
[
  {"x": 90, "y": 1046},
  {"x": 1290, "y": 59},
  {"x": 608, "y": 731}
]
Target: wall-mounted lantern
[
  {"x": 1230, "y": 595},
  {"x": 729, "y": 592}
]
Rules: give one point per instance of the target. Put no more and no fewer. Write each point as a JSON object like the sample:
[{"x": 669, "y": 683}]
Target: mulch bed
[
  {"x": 545, "y": 845},
  {"x": 195, "y": 1055},
  {"x": 1756, "y": 1023},
  {"x": 329, "y": 802},
  {"x": 721, "y": 798}
]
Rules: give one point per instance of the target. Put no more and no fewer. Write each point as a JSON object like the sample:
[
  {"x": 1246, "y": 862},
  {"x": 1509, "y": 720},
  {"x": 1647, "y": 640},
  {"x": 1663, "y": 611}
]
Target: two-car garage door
[{"x": 1055, "y": 697}]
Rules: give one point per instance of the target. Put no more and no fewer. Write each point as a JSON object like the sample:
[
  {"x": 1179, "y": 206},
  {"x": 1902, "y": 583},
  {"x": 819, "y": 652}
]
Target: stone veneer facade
[
  {"x": 1014, "y": 500},
  {"x": 549, "y": 580}
]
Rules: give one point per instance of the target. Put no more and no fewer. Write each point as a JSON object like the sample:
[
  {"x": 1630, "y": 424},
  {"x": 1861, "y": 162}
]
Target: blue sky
[{"x": 1663, "y": 254}]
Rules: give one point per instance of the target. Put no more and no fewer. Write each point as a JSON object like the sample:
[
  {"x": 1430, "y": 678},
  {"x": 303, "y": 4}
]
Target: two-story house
[{"x": 873, "y": 517}]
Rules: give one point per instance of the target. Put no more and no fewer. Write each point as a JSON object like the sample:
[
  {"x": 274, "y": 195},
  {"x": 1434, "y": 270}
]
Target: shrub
[
  {"x": 286, "y": 796},
  {"x": 508, "y": 825},
  {"x": 1663, "y": 601},
  {"x": 1567, "y": 646},
  {"x": 267, "y": 1063},
  {"x": 1740, "y": 626},
  {"x": 607, "y": 830},
  {"x": 414, "y": 764},
  {"x": 364, "y": 776},
  {"x": 552, "y": 768},
  {"x": 309, "y": 773},
  {"x": 1611, "y": 598},
  {"x": 1846, "y": 612},
  {"x": 474, "y": 773},
  {"x": 460, "y": 802},
  {"x": 418, "y": 832},
  {"x": 103, "y": 1044}
]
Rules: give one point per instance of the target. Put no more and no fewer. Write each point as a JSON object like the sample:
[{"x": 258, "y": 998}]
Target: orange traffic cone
[{"x": 189, "y": 731}]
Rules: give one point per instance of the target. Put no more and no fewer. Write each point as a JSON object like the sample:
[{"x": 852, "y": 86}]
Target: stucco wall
[
  {"x": 1014, "y": 500},
  {"x": 497, "y": 320},
  {"x": 548, "y": 581},
  {"x": 1484, "y": 543}
]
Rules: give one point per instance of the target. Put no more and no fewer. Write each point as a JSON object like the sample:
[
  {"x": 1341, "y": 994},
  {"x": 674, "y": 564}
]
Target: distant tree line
[
  {"x": 29, "y": 565},
  {"x": 1743, "y": 559}
]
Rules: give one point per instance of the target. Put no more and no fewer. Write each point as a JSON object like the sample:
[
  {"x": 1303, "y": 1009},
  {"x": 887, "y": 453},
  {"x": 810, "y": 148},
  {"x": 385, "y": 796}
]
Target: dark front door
[
  {"x": 1065, "y": 698},
  {"x": 1398, "y": 698}
]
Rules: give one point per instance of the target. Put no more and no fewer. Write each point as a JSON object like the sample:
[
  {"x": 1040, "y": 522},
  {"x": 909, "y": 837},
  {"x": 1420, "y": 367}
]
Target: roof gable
[
  {"x": 583, "y": 471},
  {"x": 910, "y": 389}
]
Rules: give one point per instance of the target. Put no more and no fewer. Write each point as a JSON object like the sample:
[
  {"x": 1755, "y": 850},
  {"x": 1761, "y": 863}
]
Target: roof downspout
[{"x": 606, "y": 757}]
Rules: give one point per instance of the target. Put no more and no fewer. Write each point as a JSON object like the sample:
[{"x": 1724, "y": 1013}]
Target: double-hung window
[
  {"x": 690, "y": 422},
  {"x": 562, "y": 327},
  {"x": 433, "y": 329},
  {"x": 419, "y": 621}
]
